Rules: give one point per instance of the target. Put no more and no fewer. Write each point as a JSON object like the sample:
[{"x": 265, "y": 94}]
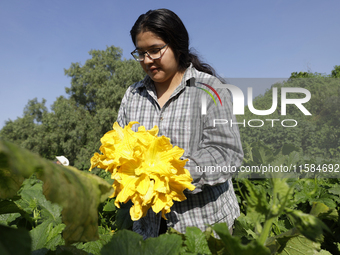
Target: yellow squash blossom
[{"x": 146, "y": 169}]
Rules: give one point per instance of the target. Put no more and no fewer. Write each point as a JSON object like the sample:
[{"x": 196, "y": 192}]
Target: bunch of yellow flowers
[{"x": 146, "y": 169}]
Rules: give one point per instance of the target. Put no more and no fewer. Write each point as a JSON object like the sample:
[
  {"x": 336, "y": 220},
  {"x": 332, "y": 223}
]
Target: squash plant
[{"x": 46, "y": 208}]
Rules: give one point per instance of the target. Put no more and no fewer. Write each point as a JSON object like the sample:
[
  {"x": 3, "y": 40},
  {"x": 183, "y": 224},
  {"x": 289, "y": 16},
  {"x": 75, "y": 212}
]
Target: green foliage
[
  {"x": 83, "y": 191},
  {"x": 317, "y": 135},
  {"x": 128, "y": 242},
  {"x": 195, "y": 241},
  {"x": 234, "y": 246},
  {"x": 95, "y": 247},
  {"x": 279, "y": 215},
  {"x": 14, "y": 241},
  {"x": 284, "y": 210},
  {"x": 123, "y": 218},
  {"x": 336, "y": 72}
]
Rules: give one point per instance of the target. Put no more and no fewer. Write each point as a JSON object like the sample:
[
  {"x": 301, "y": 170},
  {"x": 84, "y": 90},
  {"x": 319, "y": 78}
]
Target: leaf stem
[
  {"x": 266, "y": 230},
  {"x": 239, "y": 189}
]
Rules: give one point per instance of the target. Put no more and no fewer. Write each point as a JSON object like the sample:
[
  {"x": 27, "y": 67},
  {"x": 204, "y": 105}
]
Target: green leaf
[
  {"x": 40, "y": 234},
  {"x": 308, "y": 225},
  {"x": 322, "y": 211},
  {"x": 32, "y": 198},
  {"x": 10, "y": 181},
  {"x": 335, "y": 189},
  {"x": 196, "y": 241},
  {"x": 319, "y": 208},
  {"x": 78, "y": 192},
  {"x": 289, "y": 148},
  {"x": 110, "y": 206},
  {"x": 262, "y": 154},
  {"x": 47, "y": 236},
  {"x": 124, "y": 242},
  {"x": 216, "y": 246},
  {"x": 279, "y": 226},
  {"x": 278, "y": 242},
  {"x": 54, "y": 237},
  {"x": 130, "y": 243},
  {"x": 163, "y": 245},
  {"x": 61, "y": 250},
  {"x": 293, "y": 161},
  {"x": 257, "y": 197},
  {"x": 14, "y": 241},
  {"x": 280, "y": 187},
  {"x": 94, "y": 247},
  {"x": 300, "y": 245},
  {"x": 7, "y": 206},
  {"x": 84, "y": 193},
  {"x": 123, "y": 218},
  {"x": 6, "y": 219},
  {"x": 233, "y": 245},
  {"x": 244, "y": 225}
]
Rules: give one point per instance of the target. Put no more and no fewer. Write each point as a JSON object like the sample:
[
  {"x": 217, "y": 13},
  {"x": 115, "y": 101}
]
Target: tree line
[
  {"x": 74, "y": 125},
  {"x": 318, "y": 134}
]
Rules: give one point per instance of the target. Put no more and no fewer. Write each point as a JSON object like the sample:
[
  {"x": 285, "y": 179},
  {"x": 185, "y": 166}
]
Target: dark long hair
[{"x": 169, "y": 27}]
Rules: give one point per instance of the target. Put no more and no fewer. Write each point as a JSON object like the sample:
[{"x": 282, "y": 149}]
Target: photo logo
[
  {"x": 238, "y": 104},
  {"x": 238, "y": 99},
  {"x": 213, "y": 90}
]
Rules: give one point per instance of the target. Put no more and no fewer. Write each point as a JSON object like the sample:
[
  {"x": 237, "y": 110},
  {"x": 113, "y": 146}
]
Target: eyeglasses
[{"x": 154, "y": 53}]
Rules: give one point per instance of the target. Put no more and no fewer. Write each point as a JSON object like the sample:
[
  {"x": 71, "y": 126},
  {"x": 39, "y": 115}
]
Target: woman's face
[{"x": 162, "y": 70}]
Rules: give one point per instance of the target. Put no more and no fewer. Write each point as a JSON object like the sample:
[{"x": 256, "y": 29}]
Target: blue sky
[{"x": 240, "y": 39}]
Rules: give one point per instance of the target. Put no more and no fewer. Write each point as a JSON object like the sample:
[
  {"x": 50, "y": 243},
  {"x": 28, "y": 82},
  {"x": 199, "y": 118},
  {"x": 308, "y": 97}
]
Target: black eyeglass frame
[{"x": 143, "y": 53}]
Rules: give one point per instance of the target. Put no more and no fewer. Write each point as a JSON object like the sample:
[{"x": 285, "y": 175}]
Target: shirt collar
[{"x": 189, "y": 73}]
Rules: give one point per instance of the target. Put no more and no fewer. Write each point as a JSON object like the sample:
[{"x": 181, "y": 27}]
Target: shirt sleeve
[
  {"x": 218, "y": 154},
  {"x": 121, "y": 117}
]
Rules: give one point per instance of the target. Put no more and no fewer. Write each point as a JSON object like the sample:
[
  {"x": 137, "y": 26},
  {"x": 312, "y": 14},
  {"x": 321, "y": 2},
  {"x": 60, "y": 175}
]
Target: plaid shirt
[{"x": 206, "y": 145}]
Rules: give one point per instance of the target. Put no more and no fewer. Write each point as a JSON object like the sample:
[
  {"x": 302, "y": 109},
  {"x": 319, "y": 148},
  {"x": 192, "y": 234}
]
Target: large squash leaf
[
  {"x": 78, "y": 192},
  {"x": 130, "y": 243},
  {"x": 301, "y": 245},
  {"x": 196, "y": 241},
  {"x": 233, "y": 244}
]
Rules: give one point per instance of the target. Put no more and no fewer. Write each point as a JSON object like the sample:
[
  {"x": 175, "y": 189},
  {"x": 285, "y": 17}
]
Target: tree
[
  {"x": 316, "y": 135},
  {"x": 336, "y": 72},
  {"x": 23, "y": 130},
  {"x": 100, "y": 84},
  {"x": 74, "y": 125}
]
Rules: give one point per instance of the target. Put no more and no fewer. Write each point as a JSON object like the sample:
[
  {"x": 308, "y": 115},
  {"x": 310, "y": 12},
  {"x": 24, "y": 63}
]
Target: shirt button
[{"x": 161, "y": 118}]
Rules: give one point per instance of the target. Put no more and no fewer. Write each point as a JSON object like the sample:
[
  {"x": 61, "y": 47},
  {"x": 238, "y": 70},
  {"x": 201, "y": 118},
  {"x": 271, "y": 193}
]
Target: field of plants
[{"x": 46, "y": 208}]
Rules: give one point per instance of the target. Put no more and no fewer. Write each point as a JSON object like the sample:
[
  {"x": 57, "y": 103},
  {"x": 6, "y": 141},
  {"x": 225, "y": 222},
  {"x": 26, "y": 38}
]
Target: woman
[{"x": 169, "y": 97}]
